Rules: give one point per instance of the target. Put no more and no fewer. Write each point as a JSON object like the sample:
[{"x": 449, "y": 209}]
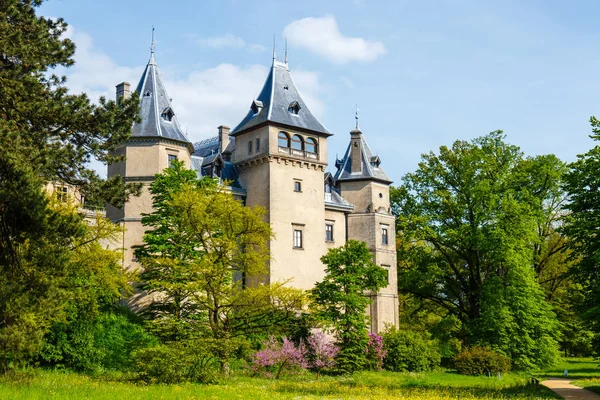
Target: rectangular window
[
  {"x": 257, "y": 145},
  {"x": 172, "y": 157},
  {"x": 250, "y": 147},
  {"x": 297, "y": 239},
  {"x": 328, "y": 233},
  {"x": 384, "y": 235},
  {"x": 62, "y": 193},
  {"x": 387, "y": 269},
  {"x": 297, "y": 186}
]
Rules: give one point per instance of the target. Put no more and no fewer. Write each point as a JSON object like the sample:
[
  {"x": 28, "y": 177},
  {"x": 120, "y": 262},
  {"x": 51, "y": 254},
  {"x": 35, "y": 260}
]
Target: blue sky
[{"x": 423, "y": 73}]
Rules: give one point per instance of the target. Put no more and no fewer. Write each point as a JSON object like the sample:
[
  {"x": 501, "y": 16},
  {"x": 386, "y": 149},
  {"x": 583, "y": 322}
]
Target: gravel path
[{"x": 564, "y": 388}]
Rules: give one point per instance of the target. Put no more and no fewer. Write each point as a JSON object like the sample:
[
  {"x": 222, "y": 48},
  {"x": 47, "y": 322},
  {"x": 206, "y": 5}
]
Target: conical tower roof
[
  {"x": 157, "y": 115},
  {"x": 279, "y": 102},
  {"x": 371, "y": 168}
]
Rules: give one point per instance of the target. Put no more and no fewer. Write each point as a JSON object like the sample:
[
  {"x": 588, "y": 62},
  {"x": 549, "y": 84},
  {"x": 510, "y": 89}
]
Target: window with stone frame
[
  {"x": 298, "y": 238},
  {"x": 384, "y": 234},
  {"x": 329, "y": 232}
]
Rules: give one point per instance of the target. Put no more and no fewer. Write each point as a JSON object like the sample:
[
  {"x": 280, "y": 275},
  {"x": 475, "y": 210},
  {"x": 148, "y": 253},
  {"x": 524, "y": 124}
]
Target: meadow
[{"x": 41, "y": 384}]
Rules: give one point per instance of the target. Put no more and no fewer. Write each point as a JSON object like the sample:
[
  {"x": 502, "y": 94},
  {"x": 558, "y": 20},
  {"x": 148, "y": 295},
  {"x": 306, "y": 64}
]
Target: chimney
[
  {"x": 356, "y": 151},
  {"x": 223, "y": 137},
  {"x": 123, "y": 91}
]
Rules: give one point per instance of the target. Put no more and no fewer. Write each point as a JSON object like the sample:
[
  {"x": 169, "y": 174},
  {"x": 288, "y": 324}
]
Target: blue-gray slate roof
[
  {"x": 371, "y": 168},
  {"x": 156, "y": 113},
  {"x": 277, "y": 97}
]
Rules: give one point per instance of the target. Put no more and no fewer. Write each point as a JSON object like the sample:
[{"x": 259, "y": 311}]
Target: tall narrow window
[
  {"x": 384, "y": 235},
  {"x": 172, "y": 158},
  {"x": 328, "y": 233},
  {"x": 387, "y": 269},
  {"x": 257, "y": 145},
  {"x": 297, "y": 238},
  {"x": 250, "y": 147},
  {"x": 62, "y": 193},
  {"x": 297, "y": 186}
]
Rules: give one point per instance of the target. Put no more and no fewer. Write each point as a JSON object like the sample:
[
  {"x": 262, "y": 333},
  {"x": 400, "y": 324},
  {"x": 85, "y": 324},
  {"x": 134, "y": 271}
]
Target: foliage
[
  {"x": 280, "y": 356},
  {"x": 201, "y": 248},
  {"x": 410, "y": 351},
  {"x": 582, "y": 183},
  {"x": 46, "y": 135},
  {"x": 67, "y": 273},
  {"x": 104, "y": 343},
  {"x": 322, "y": 352},
  {"x": 375, "y": 352},
  {"x": 177, "y": 362},
  {"x": 340, "y": 301},
  {"x": 480, "y": 361},
  {"x": 468, "y": 222}
]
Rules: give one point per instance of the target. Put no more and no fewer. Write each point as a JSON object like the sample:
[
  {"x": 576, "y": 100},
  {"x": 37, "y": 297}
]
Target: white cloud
[
  {"x": 230, "y": 41},
  {"x": 322, "y": 36},
  {"x": 220, "y": 42}
]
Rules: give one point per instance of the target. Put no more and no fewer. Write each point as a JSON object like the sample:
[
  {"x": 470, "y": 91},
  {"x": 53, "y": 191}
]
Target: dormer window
[
  {"x": 375, "y": 161},
  {"x": 147, "y": 93},
  {"x": 167, "y": 114},
  {"x": 294, "y": 108},
  {"x": 256, "y": 106}
]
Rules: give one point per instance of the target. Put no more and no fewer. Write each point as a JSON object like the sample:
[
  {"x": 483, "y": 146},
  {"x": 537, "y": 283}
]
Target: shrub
[
  {"x": 410, "y": 351},
  {"x": 480, "y": 361},
  {"x": 322, "y": 352},
  {"x": 186, "y": 361},
  {"x": 375, "y": 352},
  {"x": 275, "y": 357}
]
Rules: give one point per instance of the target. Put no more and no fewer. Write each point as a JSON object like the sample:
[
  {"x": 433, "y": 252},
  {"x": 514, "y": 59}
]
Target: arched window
[
  {"x": 283, "y": 139},
  {"x": 311, "y": 146},
  {"x": 297, "y": 142}
]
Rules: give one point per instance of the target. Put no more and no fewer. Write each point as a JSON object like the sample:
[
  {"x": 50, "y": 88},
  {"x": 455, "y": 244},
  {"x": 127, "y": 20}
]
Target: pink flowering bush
[
  {"x": 323, "y": 351},
  {"x": 277, "y": 356},
  {"x": 375, "y": 352}
]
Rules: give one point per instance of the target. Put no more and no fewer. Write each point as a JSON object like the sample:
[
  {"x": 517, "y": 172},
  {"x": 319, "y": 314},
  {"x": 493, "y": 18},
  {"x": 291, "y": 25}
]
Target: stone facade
[{"x": 275, "y": 158}]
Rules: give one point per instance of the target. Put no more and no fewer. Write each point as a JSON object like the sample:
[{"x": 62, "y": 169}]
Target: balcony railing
[{"x": 298, "y": 153}]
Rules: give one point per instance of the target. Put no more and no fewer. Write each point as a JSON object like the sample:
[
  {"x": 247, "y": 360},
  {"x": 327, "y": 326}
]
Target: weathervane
[
  {"x": 152, "y": 46},
  {"x": 356, "y": 117}
]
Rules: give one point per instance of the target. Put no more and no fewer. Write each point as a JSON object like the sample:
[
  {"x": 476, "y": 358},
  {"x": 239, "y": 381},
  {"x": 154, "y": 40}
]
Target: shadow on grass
[
  {"x": 349, "y": 388},
  {"x": 580, "y": 373}
]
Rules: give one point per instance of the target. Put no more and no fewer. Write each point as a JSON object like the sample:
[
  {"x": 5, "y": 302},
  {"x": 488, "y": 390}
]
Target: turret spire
[
  {"x": 286, "y": 51},
  {"x": 274, "y": 55},
  {"x": 152, "y": 45},
  {"x": 356, "y": 117}
]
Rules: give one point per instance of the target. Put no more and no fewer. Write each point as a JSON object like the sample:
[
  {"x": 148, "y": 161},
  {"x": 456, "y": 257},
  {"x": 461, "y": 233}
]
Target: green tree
[
  {"x": 468, "y": 219},
  {"x": 202, "y": 247},
  {"x": 341, "y": 299},
  {"x": 46, "y": 134},
  {"x": 582, "y": 184}
]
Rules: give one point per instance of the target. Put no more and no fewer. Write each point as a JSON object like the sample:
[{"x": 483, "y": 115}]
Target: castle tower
[
  {"x": 362, "y": 182},
  {"x": 281, "y": 155},
  {"x": 155, "y": 142}
]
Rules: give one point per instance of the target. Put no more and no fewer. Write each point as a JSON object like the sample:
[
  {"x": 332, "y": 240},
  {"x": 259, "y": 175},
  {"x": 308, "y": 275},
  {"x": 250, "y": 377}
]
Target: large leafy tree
[
  {"x": 468, "y": 220},
  {"x": 46, "y": 134},
  {"x": 341, "y": 300},
  {"x": 582, "y": 224},
  {"x": 203, "y": 258}
]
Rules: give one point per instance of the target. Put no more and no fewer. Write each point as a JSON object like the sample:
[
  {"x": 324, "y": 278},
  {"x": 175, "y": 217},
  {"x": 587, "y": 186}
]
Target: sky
[{"x": 423, "y": 73}]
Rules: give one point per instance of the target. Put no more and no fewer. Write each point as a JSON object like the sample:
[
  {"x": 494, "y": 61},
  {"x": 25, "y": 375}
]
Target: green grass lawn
[
  {"x": 585, "y": 372},
  {"x": 368, "y": 385}
]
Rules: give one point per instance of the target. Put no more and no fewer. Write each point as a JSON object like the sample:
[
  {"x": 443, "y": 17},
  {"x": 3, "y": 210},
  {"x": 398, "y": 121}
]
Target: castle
[{"x": 276, "y": 157}]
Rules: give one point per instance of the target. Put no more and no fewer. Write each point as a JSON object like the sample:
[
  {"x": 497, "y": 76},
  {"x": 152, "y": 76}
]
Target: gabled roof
[
  {"x": 371, "y": 168},
  {"x": 279, "y": 102},
  {"x": 156, "y": 113}
]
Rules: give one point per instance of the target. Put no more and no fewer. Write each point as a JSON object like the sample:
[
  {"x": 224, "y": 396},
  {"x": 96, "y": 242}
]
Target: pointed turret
[
  {"x": 359, "y": 162},
  {"x": 279, "y": 102},
  {"x": 156, "y": 113}
]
